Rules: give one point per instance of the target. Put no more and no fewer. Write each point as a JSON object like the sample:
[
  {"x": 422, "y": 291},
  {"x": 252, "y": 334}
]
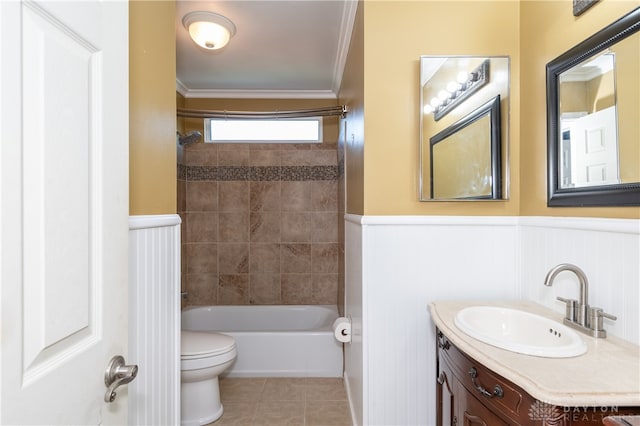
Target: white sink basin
[{"x": 520, "y": 331}]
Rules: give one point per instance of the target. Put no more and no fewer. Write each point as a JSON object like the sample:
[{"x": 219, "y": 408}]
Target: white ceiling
[{"x": 281, "y": 49}]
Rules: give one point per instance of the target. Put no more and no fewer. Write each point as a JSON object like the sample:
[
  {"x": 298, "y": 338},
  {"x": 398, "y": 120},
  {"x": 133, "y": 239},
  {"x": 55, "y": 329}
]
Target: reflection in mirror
[
  {"x": 588, "y": 124},
  {"x": 463, "y": 128},
  {"x": 593, "y": 107},
  {"x": 465, "y": 163}
]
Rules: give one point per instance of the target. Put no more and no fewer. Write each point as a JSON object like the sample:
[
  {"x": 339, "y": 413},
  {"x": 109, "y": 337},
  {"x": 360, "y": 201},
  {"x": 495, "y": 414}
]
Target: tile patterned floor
[{"x": 284, "y": 401}]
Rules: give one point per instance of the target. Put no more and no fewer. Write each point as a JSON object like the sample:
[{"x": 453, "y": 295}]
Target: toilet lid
[{"x": 202, "y": 343}]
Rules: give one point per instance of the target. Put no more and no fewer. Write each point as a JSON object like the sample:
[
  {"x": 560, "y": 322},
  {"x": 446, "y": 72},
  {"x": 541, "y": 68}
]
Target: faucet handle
[
  {"x": 606, "y": 315},
  {"x": 571, "y": 310},
  {"x": 595, "y": 317}
]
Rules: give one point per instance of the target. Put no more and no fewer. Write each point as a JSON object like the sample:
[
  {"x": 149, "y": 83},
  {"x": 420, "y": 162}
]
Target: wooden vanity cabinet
[{"x": 468, "y": 393}]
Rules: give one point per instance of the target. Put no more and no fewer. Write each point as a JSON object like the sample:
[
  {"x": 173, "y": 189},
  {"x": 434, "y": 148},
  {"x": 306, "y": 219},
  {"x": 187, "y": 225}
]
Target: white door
[
  {"x": 64, "y": 209},
  {"x": 594, "y": 149}
]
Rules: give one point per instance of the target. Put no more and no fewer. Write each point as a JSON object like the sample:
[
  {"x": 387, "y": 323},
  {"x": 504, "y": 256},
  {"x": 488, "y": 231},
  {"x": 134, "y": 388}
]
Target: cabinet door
[
  {"x": 444, "y": 395},
  {"x": 458, "y": 401}
]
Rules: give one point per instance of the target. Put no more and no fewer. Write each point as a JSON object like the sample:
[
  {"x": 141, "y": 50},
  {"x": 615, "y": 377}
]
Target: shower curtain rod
[{"x": 340, "y": 110}]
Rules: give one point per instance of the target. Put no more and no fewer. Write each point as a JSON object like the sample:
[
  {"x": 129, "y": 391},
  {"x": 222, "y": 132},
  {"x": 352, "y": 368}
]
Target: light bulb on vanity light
[
  {"x": 209, "y": 30},
  {"x": 453, "y": 87},
  {"x": 462, "y": 77},
  {"x": 443, "y": 95},
  {"x": 435, "y": 102}
]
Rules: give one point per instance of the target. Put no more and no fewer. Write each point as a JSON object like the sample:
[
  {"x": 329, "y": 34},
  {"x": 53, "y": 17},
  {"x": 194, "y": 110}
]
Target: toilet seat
[{"x": 201, "y": 349}]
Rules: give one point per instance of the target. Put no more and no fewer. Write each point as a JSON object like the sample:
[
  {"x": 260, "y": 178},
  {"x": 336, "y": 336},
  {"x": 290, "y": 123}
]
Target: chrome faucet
[{"x": 579, "y": 314}]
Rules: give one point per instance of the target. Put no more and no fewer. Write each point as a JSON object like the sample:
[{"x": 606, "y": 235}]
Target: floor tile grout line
[
  {"x": 304, "y": 413},
  {"x": 259, "y": 400},
  {"x": 304, "y": 408}
]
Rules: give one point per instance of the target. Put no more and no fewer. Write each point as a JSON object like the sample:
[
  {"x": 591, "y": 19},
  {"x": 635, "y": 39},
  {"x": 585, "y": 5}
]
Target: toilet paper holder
[{"x": 342, "y": 329}]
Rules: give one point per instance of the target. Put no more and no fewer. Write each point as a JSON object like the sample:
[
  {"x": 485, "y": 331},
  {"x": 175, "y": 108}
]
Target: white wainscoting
[
  {"x": 154, "y": 319},
  {"x": 607, "y": 250},
  {"x": 397, "y": 265},
  {"x": 354, "y": 378},
  {"x": 401, "y": 264}
]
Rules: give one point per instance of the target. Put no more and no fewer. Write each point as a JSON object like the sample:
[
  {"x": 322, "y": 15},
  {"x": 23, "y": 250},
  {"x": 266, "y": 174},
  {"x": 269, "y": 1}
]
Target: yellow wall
[
  {"x": 382, "y": 78},
  {"x": 381, "y": 88},
  {"x": 352, "y": 129},
  {"x": 588, "y": 96},
  {"x": 180, "y": 101},
  {"x": 152, "y": 104},
  {"x": 547, "y": 30},
  {"x": 396, "y": 33}
]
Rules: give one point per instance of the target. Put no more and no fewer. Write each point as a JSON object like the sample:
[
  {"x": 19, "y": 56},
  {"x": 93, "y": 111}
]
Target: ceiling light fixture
[{"x": 209, "y": 30}]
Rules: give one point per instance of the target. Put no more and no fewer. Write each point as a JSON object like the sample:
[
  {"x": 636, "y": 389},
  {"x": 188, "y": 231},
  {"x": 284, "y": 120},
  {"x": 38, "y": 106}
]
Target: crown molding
[
  {"x": 181, "y": 88},
  {"x": 346, "y": 29}
]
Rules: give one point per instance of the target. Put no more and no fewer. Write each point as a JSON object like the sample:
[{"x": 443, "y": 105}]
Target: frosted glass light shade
[{"x": 209, "y": 30}]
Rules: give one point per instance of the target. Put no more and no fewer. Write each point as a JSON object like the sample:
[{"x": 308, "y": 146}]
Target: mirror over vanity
[
  {"x": 464, "y": 117},
  {"x": 593, "y": 119}
]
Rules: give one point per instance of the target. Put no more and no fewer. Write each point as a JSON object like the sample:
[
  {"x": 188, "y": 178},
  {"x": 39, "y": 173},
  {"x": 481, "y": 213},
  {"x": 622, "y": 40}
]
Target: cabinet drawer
[
  {"x": 475, "y": 413},
  {"x": 496, "y": 392}
]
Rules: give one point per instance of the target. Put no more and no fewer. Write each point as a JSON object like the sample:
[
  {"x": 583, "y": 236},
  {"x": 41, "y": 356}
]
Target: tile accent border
[{"x": 257, "y": 173}]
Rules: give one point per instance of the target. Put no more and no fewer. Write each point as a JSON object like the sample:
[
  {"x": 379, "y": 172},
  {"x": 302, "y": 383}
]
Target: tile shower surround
[{"x": 260, "y": 223}]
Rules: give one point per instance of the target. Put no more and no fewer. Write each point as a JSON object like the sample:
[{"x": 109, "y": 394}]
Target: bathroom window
[{"x": 271, "y": 130}]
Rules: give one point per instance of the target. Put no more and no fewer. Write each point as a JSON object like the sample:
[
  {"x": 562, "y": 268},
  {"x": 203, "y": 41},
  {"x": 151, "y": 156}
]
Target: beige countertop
[{"x": 608, "y": 374}]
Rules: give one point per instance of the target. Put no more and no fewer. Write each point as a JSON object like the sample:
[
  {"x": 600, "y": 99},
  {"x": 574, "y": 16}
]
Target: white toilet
[{"x": 203, "y": 357}]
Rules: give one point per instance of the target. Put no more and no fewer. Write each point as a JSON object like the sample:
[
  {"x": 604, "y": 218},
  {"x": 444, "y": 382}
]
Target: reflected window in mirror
[
  {"x": 453, "y": 90},
  {"x": 593, "y": 116}
]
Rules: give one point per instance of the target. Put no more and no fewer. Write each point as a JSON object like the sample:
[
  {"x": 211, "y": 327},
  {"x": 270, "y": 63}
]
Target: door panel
[
  {"x": 64, "y": 180},
  {"x": 60, "y": 186}
]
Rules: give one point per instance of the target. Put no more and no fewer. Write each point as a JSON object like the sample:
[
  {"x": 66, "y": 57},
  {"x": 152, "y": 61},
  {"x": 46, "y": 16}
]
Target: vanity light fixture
[
  {"x": 209, "y": 30},
  {"x": 456, "y": 92}
]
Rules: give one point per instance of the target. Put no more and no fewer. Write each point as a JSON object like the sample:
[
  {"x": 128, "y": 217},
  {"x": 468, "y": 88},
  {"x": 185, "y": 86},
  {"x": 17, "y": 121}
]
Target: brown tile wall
[{"x": 260, "y": 223}]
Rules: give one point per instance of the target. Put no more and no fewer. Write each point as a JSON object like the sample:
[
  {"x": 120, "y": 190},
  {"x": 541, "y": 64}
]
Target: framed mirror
[
  {"x": 464, "y": 110},
  {"x": 593, "y": 119},
  {"x": 465, "y": 157}
]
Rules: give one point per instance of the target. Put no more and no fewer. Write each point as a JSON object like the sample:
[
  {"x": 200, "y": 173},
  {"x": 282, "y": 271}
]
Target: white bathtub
[{"x": 274, "y": 340}]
